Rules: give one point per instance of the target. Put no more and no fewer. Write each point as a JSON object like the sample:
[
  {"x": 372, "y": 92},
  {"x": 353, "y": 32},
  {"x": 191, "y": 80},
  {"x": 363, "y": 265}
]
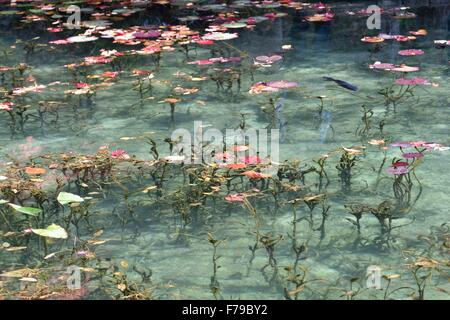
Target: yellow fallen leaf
[
  {"x": 98, "y": 233},
  {"x": 19, "y": 273},
  {"x": 97, "y": 242},
  {"x": 28, "y": 279},
  {"x": 13, "y": 249}
]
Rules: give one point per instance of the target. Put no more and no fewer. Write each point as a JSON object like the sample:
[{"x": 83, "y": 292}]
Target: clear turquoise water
[{"x": 183, "y": 269}]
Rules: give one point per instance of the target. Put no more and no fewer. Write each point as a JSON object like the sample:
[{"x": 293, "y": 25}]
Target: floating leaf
[
  {"x": 52, "y": 231},
  {"x": 31, "y": 170},
  {"x": 9, "y": 12},
  {"x": 14, "y": 249},
  {"x": 65, "y": 198},
  {"x": 19, "y": 273},
  {"x": 97, "y": 242},
  {"x": 235, "y": 25},
  {"x": 28, "y": 279},
  {"x": 51, "y": 255},
  {"x": 26, "y": 210}
]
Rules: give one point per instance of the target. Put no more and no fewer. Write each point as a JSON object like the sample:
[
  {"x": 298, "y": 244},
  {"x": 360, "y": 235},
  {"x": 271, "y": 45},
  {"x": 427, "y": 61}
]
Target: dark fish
[{"x": 342, "y": 83}]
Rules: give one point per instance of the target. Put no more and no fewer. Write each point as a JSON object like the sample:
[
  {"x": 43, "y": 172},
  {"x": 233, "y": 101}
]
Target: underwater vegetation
[{"x": 101, "y": 197}]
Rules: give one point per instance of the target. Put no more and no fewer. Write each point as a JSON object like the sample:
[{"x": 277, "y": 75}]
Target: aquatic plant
[
  {"x": 321, "y": 162},
  {"x": 346, "y": 163},
  {"x": 393, "y": 97},
  {"x": 363, "y": 129},
  {"x": 215, "y": 285},
  {"x": 143, "y": 84}
]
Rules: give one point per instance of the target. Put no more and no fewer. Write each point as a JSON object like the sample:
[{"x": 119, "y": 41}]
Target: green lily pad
[
  {"x": 26, "y": 210},
  {"x": 36, "y": 11},
  {"x": 66, "y": 198},
  {"x": 9, "y": 12},
  {"x": 52, "y": 231}
]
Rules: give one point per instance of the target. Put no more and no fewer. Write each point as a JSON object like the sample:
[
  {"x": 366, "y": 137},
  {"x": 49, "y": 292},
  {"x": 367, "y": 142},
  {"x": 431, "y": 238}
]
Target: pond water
[{"x": 149, "y": 227}]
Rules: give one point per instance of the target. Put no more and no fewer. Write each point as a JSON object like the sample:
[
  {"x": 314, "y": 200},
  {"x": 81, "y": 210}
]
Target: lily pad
[
  {"x": 36, "y": 11},
  {"x": 9, "y": 12},
  {"x": 26, "y": 210},
  {"x": 82, "y": 38},
  {"x": 52, "y": 231},
  {"x": 66, "y": 198}
]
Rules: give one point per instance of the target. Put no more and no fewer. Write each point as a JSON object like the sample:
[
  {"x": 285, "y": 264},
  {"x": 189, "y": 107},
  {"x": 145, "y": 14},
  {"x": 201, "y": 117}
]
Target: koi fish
[{"x": 343, "y": 84}]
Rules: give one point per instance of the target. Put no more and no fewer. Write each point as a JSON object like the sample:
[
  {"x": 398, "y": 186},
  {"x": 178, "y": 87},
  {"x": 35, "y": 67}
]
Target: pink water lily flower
[
  {"x": 6, "y": 105},
  {"x": 146, "y": 35},
  {"x": 237, "y": 197},
  {"x": 262, "y": 87},
  {"x": 97, "y": 60},
  {"x": 400, "y": 164},
  {"x": 54, "y": 30},
  {"x": 82, "y": 253},
  {"x": 382, "y": 66},
  {"x": 282, "y": 84},
  {"x": 397, "y": 170},
  {"x": 417, "y": 143},
  {"x": 120, "y": 154},
  {"x": 412, "y": 82},
  {"x": 203, "y": 62},
  {"x": 320, "y": 17},
  {"x": 204, "y": 42},
  {"x": 24, "y": 90},
  {"x": 60, "y": 42},
  {"x": 401, "y": 144},
  {"x": 231, "y": 59},
  {"x": 217, "y": 36},
  {"x": 432, "y": 146},
  {"x": 404, "y": 38},
  {"x": 268, "y": 60},
  {"x": 250, "y": 159},
  {"x": 110, "y": 74},
  {"x": 318, "y": 6},
  {"x": 412, "y": 155},
  {"x": 80, "y": 85},
  {"x": 224, "y": 156},
  {"x": 405, "y": 68},
  {"x": 411, "y": 52}
]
